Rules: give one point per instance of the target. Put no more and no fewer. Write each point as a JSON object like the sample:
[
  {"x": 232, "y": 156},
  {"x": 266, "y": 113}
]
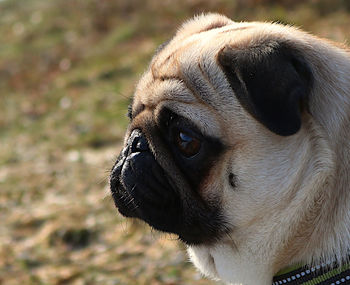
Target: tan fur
[{"x": 292, "y": 200}]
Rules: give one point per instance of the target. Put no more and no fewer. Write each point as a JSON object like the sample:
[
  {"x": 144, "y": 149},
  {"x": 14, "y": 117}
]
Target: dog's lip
[
  {"x": 115, "y": 186},
  {"x": 118, "y": 165},
  {"x": 122, "y": 207}
]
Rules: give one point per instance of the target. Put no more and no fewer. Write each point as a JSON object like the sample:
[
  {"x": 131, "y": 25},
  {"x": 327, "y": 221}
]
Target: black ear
[{"x": 271, "y": 81}]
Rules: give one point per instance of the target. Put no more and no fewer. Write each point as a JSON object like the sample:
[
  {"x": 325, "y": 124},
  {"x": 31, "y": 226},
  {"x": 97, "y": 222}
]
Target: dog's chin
[{"x": 142, "y": 189}]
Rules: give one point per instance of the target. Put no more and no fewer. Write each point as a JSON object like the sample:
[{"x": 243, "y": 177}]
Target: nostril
[
  {"x": 138, "y": 142},
  {"x": 142, "y": 144}
]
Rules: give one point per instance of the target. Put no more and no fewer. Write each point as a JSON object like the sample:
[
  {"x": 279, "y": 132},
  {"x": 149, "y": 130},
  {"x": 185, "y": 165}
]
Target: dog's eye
[{"x": 187, "y": 144}]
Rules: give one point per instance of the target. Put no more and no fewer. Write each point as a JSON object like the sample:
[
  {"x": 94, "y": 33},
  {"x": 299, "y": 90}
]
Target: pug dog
[{"x": 239, "y": 143}]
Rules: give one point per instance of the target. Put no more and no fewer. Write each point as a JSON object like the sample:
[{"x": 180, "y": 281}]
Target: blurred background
[{"x": 67, "y": 71}]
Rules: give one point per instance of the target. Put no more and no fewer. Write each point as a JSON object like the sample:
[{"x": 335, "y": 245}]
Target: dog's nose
[{"x": 138, "y": 142}]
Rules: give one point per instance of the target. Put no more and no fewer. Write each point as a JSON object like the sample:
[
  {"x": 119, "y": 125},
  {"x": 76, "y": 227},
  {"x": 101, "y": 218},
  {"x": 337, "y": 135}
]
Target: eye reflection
[{"x": 187, "y": 144}]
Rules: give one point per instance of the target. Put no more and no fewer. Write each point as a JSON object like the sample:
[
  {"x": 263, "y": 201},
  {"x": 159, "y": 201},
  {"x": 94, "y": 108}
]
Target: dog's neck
[
  {"x": 330, "y": 108},
  {"x": 223, "y": 262}
]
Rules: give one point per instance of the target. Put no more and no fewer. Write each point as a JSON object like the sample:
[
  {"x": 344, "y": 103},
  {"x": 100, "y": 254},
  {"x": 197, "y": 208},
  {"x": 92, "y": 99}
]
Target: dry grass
[{"x": 67, "y": 70}]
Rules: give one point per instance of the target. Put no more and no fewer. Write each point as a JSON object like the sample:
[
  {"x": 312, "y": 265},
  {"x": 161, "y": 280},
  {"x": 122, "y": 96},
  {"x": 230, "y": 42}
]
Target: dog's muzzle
[{"x": 141, "y": 188}]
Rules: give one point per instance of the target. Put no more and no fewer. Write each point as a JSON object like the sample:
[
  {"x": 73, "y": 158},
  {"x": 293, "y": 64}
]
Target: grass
[{"x": 67, "y": 71}]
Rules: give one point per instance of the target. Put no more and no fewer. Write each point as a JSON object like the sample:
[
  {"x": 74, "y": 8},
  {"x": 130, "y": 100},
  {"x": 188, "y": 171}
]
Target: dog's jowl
[{"x": 239, "y": 143}]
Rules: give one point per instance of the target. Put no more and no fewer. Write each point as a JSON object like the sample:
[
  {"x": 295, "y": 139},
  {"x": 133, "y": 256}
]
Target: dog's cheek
[{"x": 220, "y": 181}]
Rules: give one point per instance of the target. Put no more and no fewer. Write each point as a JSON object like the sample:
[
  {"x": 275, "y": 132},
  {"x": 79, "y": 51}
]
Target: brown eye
[{"x": 187, "y": 144}]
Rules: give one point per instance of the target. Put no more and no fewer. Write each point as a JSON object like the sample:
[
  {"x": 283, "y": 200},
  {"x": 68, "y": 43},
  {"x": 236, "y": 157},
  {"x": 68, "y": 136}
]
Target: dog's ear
[{"x": 271, "y": 81}]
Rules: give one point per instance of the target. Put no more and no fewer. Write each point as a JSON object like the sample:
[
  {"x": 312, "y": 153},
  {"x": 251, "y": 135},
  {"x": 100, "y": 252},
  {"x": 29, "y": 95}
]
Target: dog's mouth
[{"x": 142, "y": 189}]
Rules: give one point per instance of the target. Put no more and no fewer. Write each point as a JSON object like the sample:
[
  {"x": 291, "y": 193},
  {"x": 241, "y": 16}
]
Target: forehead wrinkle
[
  {"x": 175, "y": 47},
  {"x": 214, "y": 99},
  {"x": 199, "y": 113},
  {"x": 169, "y": 52},
  {"x": 158, "y": 90},
  {"x": 198, "y": 83},
  {"x": 236, "y": 29},
  {"x": 181, "y": 77}
]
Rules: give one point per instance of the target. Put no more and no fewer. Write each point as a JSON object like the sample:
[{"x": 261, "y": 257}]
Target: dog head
[{"x": 223, "y": 148}]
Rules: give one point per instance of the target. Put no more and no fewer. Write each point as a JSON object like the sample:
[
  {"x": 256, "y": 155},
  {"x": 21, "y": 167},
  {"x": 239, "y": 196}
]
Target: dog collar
[{"x": 324, "y": 274}]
